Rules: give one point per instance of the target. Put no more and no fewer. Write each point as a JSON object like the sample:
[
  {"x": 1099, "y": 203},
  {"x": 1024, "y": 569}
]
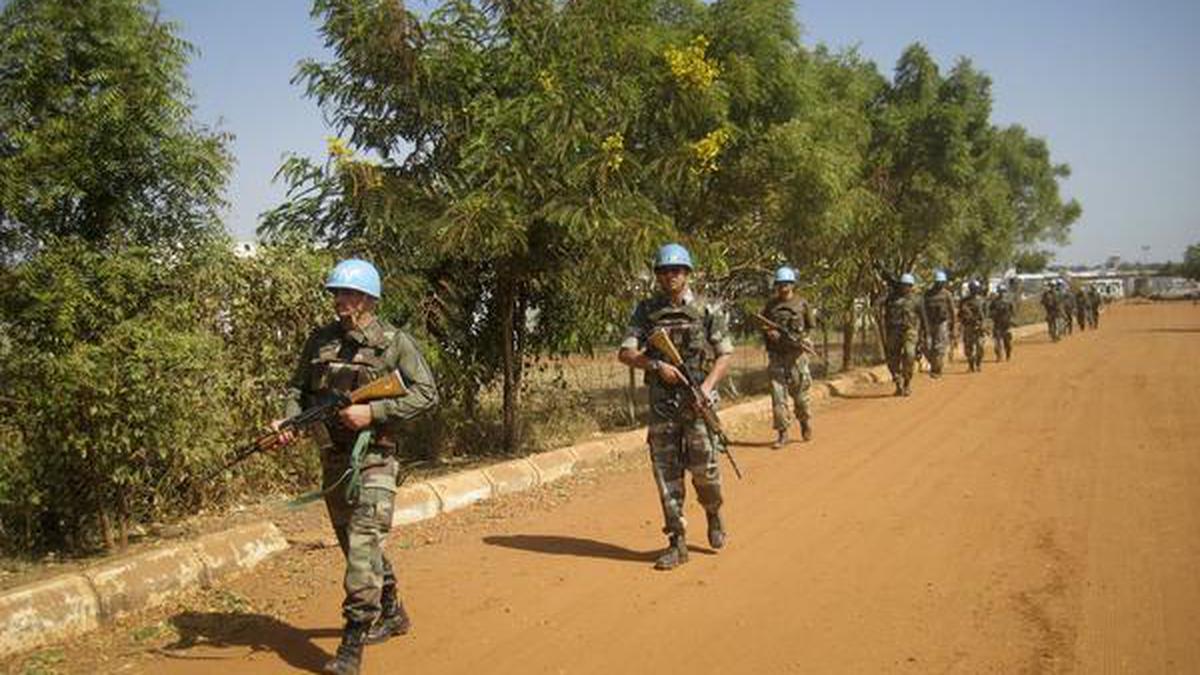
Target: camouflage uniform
[
  {"x": 970, "y": 315},
  {"x": 939, "y": 311},
  {"x": 1094, "y": 302},
  {"x": 1050, "y": 304},
  {"x": 335, "y": 360},
  {"x": 1081, "y": 308},
  {"x": 1066, "y": 309},
  {"x": 787, "y": 362},
  {"x": 904, "y": 322},
  {"x": 1001, "y": 310},
  {"x": 678, "y": 439}
]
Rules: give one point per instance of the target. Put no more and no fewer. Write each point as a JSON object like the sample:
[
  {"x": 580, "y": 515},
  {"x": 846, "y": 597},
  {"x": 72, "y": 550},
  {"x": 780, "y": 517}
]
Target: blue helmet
[
  {"x": 785, "y": 275},
  {"x": 356, "y": 275},
  {"x": 939, "y": 276},
  {"x": 673, "y": 255},
  {"x": 908, "y": 279}
]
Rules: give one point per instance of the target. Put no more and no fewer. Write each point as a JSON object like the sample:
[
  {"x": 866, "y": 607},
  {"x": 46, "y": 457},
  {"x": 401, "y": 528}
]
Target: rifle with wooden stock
[
  {"x": 701, "y": 404},
  {"x": 388, "y": 386},
  {"x": 767, "y": 325}
]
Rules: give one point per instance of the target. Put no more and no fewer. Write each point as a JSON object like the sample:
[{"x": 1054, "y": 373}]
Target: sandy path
[{"x": 1042, "y": 516}]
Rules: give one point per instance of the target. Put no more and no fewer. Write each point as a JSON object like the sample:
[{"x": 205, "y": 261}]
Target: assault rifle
[
  {"x": 696, "y": 398},
  {"x": 768, "y": 325},
  {"x": 388, "y": 386}
]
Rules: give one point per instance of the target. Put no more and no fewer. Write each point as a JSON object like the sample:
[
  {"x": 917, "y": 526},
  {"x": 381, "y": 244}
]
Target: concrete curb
[{"x": 64, "y": 607}]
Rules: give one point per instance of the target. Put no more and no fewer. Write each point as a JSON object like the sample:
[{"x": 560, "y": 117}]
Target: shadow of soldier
[
  {"x": 560, "y": 545},
  {"x": 576, "y": 546},
  {"x": 258, "y": 632}
]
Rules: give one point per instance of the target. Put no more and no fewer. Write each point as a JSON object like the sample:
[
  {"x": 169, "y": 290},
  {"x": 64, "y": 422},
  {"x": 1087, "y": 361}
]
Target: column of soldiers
[
  {"x": 358, "y": 447},
  {"x": 1065, "y": 308}
]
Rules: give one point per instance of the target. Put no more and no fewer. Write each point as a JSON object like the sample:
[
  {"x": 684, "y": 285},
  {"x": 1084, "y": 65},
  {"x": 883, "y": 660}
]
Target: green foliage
[
  {"x": 1032, "y": 262},
  {"x": 1191, "y": 262},
  {"x": 96, "y": 134},
  {"x": 130, "y": 373}
]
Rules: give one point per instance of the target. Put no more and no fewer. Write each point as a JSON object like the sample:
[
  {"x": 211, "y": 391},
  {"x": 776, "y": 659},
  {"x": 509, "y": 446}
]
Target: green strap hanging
[{"x": 351, "y": 476}]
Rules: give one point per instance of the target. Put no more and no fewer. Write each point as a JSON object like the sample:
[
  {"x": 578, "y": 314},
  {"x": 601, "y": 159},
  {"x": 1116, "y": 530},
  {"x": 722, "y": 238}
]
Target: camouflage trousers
[
  {"x": 1066, "y": 323},
  {"x": 677, "y": 445},
  {"x": 789, "y": 377},
  {"x": 1002, "y": 341},
  {"x": 361, "y": 522},
  {"x": 1081, "y": 318},
  {"x": 1052, "y": 326},
  {"x": 972, "y": 337},
  {"x": 939, "y": 344},
  {"x": 902, "y": 353}
]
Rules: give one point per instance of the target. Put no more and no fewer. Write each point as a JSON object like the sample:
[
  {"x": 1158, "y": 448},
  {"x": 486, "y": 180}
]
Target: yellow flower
[
  {"x": 614, "y": 146},
  {"x": 337, "y": 148},
  {"x": 689, "y": 65},
  {"x": 706, "y": 150}
]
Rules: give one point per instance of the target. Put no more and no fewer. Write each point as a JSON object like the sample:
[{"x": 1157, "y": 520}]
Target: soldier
[
  {"x": 787, "y": 359},
  {"x": 1066, "y": 308},
  {"x": 358, "y": 452},
  {"x": 1094, "y": 302},
  {"x": 677, "y": 437},
  {"x": 904, "y": 323},
  {"x": 1050, "y": 304},
  {"x": 970, "y": 315},
  {"x": 939, "y": 310},
  {"x": 1001, "y": 311},
  {"x": 1081, "y": 307}
]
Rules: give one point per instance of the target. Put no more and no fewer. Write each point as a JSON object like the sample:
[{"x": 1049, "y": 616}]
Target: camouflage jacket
[
  {"x": 336, "y": 360},
  {"x": 796, "y": 317}
]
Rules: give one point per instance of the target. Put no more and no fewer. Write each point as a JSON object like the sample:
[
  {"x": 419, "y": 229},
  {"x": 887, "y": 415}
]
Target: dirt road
[{"x": 1040, "y": 517}]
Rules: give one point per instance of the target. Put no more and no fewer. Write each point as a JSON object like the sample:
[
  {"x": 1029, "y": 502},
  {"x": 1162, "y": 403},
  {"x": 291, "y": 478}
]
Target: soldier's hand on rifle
[
  {"x": 773, "y": 335},
  {"x": 284, "y": 436},
  {"x": 356, "y": 416}
]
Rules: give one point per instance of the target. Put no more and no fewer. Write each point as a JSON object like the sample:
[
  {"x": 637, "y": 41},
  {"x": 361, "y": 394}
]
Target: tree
[
  {"x": 97, "y": 138},
  {"x": 1191, "y": 262},
  {"x": 1032, "y": 261}
]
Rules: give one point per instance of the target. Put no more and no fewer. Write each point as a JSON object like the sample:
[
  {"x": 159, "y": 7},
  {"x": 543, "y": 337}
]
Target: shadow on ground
[{"x": 257, "y": 632}]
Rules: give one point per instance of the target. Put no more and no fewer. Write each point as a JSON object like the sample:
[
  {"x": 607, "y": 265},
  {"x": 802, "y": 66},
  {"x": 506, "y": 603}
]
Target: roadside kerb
[
  {"x": 553, "y": 465},
  {"x": 517, "y": 475},
  {"x": 46, "y": 612},
  {"x": 415, "y": 503},
  {"x": 227, "y": 553},
  {"x": 459, "y": 490}
]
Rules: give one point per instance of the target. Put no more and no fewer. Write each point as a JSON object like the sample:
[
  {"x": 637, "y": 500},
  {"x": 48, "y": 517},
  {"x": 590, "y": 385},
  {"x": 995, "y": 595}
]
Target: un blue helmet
[
  {"x": 673, "y": 255},
  {"x": 356, "y": 275},
  {"x": 785, "y": 275},
  {"x": 908, "y": 279},
  {"x": 939, "y": 276}
]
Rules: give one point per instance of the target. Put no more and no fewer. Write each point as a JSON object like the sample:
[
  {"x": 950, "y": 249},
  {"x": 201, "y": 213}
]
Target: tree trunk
[
  {"x": 848, "y": 337},
  {"x": 511, "y": 368}
]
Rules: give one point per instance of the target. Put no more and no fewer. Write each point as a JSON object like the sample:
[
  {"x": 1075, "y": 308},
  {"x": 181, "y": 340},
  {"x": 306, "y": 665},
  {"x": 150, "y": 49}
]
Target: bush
[{"x": 131, "y": 374}]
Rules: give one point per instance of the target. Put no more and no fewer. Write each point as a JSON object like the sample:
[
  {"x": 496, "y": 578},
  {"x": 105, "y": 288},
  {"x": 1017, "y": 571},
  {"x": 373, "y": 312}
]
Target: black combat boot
[
  {"x": 781, "y": 440},
  {"x": 675, "y": 555},
  {"x": 393, "y": 620},
  {"x": 805, "y": 430},
  {"x": 907, "y": 389},
  {"x": 349, "y": 654},
  {"x": 899, "y": 388},
  {"x": 716, "y": 530}
]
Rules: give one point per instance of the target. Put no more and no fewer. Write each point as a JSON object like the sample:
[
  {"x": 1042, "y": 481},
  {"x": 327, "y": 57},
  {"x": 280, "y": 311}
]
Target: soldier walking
[
  {"x": 970, "y": 315},
  {"x": 939, "y": 310},
  {"x": 678, "y": 438},
  {"x": 1001, "y": 311},
  {"x": 1066, "y": 308},
  {"x": 358, "y": 452},
  {"x": 1094, "y": 302},
  {"x": 787, "y": 358},
  {"x": 1082, "y": 306},
  {"x": 904, "y": 323},
  {"x": 1050, "y": 304}
]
